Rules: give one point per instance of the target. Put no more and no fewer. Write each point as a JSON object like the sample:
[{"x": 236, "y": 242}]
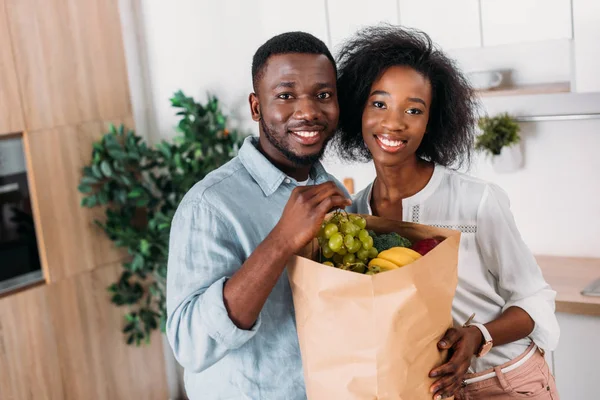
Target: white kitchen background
[{"x": 549, "y": 46}]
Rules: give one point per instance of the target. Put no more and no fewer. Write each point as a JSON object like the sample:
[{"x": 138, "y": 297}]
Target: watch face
[{"x": 485, "y": 349}]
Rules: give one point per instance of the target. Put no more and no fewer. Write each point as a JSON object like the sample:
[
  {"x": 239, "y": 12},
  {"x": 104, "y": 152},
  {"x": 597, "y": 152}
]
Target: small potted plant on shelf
[{"x": 500, "y": 139}]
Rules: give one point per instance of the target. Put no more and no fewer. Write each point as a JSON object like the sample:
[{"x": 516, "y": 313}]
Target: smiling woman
[{"x": 404, "y": 104}]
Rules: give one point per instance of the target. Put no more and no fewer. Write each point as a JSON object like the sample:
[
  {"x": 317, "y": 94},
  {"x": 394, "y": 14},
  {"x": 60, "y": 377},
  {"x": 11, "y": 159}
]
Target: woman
[{"x": 405, "y": 105}]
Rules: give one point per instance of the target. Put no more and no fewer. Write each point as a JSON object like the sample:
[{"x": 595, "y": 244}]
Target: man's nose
[{"x": 307, "y": 109}]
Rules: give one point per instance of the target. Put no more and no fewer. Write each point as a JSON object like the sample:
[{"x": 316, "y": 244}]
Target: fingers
[
  {"x": 451, "y": 337},
  {"x": 332, "y": 202},
  {"x": 451, "y": 373},
  {"x": 448, "y": 387},
  {"x": 325, "y": 190}
]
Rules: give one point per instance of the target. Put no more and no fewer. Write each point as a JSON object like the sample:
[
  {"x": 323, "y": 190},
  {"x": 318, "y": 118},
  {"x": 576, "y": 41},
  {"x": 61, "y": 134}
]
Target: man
[{"x": 230, "y": 311}]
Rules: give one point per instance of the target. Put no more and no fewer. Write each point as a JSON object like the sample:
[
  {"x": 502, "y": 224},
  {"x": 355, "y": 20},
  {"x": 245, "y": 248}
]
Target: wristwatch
[{"x": 488, "y": 344}]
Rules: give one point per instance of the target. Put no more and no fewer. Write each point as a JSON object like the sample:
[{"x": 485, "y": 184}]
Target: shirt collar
[{"x": 268, "y": 176}]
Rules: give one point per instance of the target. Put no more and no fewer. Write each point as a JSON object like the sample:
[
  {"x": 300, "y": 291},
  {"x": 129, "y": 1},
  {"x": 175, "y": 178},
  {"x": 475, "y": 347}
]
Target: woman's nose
[{"x": 394, "y": 122}]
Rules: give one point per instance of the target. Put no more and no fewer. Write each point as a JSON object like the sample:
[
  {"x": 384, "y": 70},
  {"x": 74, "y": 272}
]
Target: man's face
[{"x": 296, "y": 105}]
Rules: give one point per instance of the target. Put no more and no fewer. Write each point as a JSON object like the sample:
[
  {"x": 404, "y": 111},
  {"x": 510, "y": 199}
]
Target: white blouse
[{"x": 496, "y": 270}]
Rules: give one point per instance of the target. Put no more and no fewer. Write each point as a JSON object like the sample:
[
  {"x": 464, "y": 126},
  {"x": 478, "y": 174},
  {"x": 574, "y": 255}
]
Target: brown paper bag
[{"x": 375, "y": 336}]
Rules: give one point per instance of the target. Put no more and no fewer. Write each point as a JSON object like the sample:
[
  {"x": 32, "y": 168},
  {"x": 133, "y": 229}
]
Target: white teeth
[
  {"x": 391, "y": 143},
  {"x": 307, "y": 134}
]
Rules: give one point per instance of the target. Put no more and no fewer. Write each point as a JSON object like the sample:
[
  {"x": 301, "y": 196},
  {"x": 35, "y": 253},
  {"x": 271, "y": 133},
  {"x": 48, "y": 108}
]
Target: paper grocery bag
[{"x": 375, "y": 336}]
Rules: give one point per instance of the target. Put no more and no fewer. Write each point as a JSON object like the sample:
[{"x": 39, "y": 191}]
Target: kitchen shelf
[{"x": 544, "y": 88}]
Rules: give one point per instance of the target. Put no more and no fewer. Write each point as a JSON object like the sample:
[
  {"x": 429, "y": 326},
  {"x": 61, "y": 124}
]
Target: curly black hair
[
  {"x": 453, "y": 113},
  {"x": 285, "y": 43}
]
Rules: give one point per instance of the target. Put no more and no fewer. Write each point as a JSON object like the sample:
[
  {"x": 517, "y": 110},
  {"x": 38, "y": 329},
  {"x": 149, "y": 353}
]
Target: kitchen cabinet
[
  {"x": 577, "y": 355},
  {"x": 276, "y": 17},
  {"x": 518, "y": 21},
  {"x": 347, "y": 16},
  {"x": 70, "y": 61},
  {"x": 586, "y": 32},
  {"x": 63, "y": 223},
  {"x": 11, "y": 116},
  {"x": 451, "y": 24}
]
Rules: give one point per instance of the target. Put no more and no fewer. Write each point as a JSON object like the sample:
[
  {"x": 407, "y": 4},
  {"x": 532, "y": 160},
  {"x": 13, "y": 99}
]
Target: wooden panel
[
  {"x": 95, "y": 361},
  {"x": 568, "y": 276},
  {"x": 28, "y": 351},
  {"x": 11, "y": 115},
  {"x": 64, "y": 341},
  {"x": 72, "y": 242},
  {"x": 70, "y": 59}
]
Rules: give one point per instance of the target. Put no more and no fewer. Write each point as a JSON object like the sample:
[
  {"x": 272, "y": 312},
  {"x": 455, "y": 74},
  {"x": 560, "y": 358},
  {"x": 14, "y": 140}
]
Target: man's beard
[{"x": 287, "y": 153}]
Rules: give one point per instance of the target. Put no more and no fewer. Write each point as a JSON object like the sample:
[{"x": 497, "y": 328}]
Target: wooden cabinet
[
  {"x": 275, "y": 17},
  {"x": 518, "y": 21},
  {"x": 451, "y": 24},
  {"x": 72, "y": 243},
  {"x": 347, "y": 16},
  {"x": 577, "y": 355},
  {"x": 63, "y": 341},
  {"x": 70, "y": 61},
  {"x": 586, "y": 32},
  {"x": 11, "y": 115}
]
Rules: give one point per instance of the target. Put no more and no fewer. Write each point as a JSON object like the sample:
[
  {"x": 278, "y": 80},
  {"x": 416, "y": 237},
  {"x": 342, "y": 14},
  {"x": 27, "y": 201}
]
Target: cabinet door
[
  {"x": 451, "y": 24},
  {"x": 347, "y": 16},
  {"x": 277, "y": 17},
  {"x": 70, "y": 61},
  {"x": 11, "y": 115},
  {"x": 577, "y": 355},
  {"x": 586, "y": 28},
  {"x": 517, "y": 21}
]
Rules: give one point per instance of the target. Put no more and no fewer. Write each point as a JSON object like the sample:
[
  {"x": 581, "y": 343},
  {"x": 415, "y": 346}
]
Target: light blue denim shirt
[{"x": 218, "y": 224}]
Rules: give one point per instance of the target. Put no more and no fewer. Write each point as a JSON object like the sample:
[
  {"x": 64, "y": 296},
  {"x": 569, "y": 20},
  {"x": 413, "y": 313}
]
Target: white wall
[{"x": 208, "y": 46}]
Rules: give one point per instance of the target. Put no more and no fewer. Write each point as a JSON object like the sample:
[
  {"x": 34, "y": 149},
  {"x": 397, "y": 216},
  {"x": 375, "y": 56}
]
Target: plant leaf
[{"x": 106, "y": 169}]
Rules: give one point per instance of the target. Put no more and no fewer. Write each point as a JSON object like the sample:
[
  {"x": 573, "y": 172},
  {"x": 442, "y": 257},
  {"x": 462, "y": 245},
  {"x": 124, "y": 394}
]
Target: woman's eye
[
  {"x": 378, "y": 104},
  {"x": 324, "y": 95},
  {"x": 414, "y": 111},
  {"x": 284, "y": 96}
]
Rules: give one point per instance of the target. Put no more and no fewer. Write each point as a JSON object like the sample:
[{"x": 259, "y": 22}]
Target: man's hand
[
  {"x": 463, "y": 343},
  {"x": 305, "y": 210}
]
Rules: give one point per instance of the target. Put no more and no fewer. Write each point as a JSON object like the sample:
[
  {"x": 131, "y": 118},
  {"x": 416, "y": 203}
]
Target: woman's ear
[{"x": 254, "y": 106}]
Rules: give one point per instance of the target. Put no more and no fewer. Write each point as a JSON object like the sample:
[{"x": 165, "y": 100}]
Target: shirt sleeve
[
  {"x": 507, "y": 257},
  {"x": 202, "y": 256}
]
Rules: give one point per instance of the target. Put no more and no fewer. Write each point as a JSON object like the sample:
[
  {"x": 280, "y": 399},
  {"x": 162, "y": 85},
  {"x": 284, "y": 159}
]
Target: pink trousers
[{"x": 531, "y": 380}]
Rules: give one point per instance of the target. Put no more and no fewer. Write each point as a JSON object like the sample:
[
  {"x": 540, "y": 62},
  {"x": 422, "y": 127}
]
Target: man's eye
[
  {"x": 414, "y": 111},
  {"x": 324, "y": 95},
  {"x": 284, "y": 96},
  {"x": 378, "y": 104}
]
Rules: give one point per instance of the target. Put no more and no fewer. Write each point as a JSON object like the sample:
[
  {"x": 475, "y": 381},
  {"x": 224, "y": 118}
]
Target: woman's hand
[{"x": 462, "y": 344}]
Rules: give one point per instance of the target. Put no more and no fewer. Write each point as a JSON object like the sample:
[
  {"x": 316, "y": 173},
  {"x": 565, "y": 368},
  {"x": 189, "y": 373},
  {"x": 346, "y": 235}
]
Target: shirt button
[{"x": 287, "y": 180}]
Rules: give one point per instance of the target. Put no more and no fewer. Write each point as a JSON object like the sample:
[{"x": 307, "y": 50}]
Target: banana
[
  {"x": 385, "y": 265},
  {"x": 398, "y": 255},
  {"x": 407, "y": 251}
]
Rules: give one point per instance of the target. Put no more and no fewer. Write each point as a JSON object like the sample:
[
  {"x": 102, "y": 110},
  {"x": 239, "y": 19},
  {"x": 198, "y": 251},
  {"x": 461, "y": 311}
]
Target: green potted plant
[
  {"x": 141, "y": 187},
  {"x": 500, "y": 140}
]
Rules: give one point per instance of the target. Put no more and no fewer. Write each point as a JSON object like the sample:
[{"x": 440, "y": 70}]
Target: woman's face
[{"x": 396, "y": 114}]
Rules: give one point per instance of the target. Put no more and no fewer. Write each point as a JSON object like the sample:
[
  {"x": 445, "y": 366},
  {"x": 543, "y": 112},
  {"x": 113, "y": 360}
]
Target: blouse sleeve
[{"x": 506, "y": 256}]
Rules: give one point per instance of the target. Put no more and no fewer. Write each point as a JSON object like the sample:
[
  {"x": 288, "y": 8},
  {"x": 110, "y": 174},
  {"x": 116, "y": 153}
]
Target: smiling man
[{"x": 230, "y": 311}]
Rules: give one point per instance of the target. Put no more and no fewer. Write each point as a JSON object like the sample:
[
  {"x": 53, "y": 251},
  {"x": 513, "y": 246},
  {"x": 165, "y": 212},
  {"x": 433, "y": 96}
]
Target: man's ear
[{"x": 254, "y": 106}]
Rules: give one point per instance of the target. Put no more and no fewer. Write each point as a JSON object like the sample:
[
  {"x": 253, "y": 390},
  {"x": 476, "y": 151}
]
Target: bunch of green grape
[{"x": 344, "y": 240}]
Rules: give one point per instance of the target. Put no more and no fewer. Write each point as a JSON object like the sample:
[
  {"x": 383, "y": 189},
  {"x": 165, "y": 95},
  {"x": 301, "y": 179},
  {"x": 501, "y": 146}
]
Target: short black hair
[
  {"x": 453, "y": 112},
  {"x": 285, "y": 43}
]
